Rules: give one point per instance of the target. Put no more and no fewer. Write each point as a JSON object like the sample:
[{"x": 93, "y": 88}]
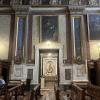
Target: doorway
[{"x": 49, "y": 68}]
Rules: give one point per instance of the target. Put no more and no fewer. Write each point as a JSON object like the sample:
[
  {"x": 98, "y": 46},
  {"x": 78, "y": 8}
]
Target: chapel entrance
[{"x": 49, "y": 70}]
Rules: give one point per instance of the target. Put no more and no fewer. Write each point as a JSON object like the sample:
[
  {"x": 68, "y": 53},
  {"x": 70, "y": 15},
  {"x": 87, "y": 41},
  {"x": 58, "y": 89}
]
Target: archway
[{"x": 43, "y": 49}]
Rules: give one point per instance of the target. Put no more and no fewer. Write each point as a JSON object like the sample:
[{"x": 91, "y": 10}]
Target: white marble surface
[{"x": 80, "y": 72}]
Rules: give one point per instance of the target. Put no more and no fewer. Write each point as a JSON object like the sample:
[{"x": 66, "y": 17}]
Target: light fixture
[
  {"x": 49, "y": 54},
  {"x": 48, "y": 42}
]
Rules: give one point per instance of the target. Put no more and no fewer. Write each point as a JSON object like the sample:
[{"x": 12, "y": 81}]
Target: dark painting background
[
  {"x": 94, "y": 27},
  {"x": 49, "y": 28}
]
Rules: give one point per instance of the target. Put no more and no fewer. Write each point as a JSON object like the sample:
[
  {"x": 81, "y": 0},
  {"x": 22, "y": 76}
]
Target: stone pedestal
[{"x": 42, "y": 82}]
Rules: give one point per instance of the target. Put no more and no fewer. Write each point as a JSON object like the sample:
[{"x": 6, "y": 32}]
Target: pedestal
[{"x": 42, "y": 82}]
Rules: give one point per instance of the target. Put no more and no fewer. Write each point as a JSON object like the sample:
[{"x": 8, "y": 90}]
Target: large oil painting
[
  {"x": 49, "y": 28},
  {"x": 94, "y": 26}
]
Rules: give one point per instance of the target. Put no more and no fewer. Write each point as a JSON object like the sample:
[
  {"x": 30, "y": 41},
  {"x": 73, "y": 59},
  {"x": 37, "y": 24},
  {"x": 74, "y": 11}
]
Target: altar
[{"x": 48, "y": 82}]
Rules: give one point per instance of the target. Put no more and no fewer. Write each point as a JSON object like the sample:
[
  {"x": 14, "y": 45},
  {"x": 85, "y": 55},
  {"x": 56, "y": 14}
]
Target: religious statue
[{"x": 49, "y": 68}]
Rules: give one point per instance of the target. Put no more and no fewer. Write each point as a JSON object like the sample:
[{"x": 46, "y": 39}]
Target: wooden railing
[
  {"x": 93, "y": 92},
  {"x": 7, "y": 92},
  {"x": 57, "y": 92},
  {"x": 77, "y": 93},
  {"x": 35, "y": 92},
  {"x": 3, "y": 89}
]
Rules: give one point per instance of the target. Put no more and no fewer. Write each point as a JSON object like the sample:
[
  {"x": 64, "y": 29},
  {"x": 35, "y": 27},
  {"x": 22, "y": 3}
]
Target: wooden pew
[
  {"x": 77, "y": 93},
  {"x": 11, "y": 92},
  {"x": 3, "y": 89},
  {"x": 57, "y": 92},
  {"x": 35, "y": 92},
  {"x": 93, "y": 92},
  {"x": 7, "y": 92}
]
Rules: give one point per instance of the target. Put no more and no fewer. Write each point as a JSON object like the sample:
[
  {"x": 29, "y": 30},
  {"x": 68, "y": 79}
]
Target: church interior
[{"x": 50, "y": 49}]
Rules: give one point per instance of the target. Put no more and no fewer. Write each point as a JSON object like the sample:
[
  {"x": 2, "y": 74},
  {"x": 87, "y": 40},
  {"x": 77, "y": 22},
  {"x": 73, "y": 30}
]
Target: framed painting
[
  {"x": 49, "y": 28},
  {"x": 94, "y": 26},
  {"x": 49, "y": 66}
]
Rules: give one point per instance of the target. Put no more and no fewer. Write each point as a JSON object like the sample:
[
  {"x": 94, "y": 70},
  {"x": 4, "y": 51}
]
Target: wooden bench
[
  {"x": 7, "y": 92},
  {"x": 3, "y": 89},
  {"x": 77, "y": 93},
  {"x": 35, "y": 92},
  {"x": 93, "y": 92}
]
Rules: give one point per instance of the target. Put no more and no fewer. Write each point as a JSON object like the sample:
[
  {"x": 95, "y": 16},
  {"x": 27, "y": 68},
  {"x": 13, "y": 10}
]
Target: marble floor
[{"x": 48, "y": 95}]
